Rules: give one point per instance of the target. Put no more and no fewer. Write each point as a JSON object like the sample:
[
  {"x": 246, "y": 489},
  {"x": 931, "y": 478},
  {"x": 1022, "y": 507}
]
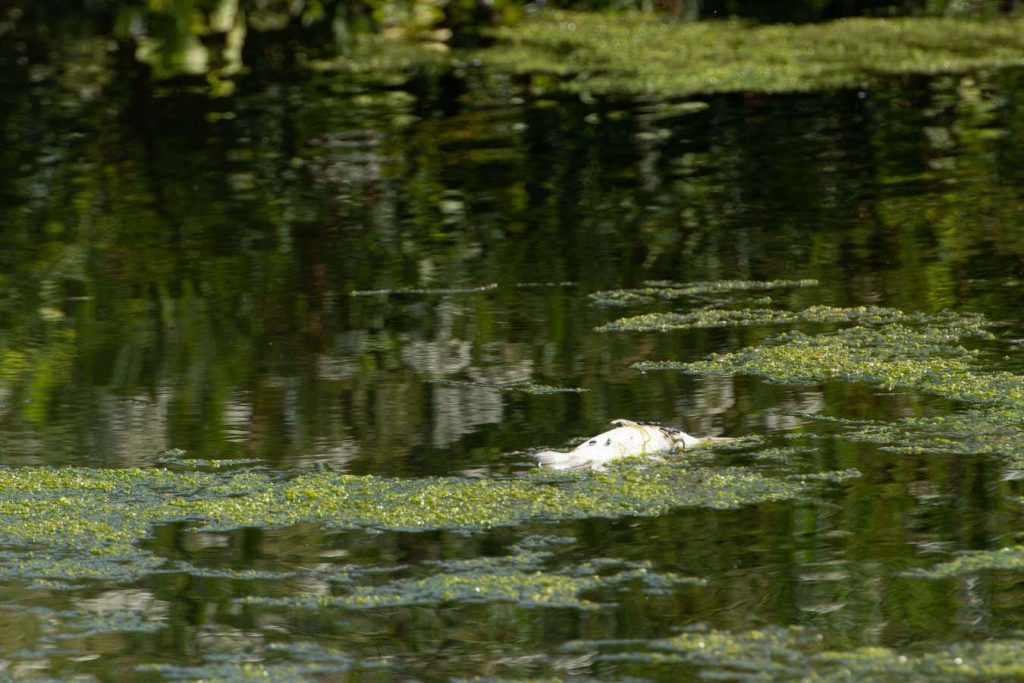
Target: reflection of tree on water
[
  {"x": 202, "y": 270},
  {"x": 461, "y": 410}
]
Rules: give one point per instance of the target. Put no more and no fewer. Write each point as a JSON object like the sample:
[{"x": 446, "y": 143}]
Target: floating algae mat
[
  {"x": 74, "y": 523},
  {"x": 888, "y": 349},
  {"x": 435, "y": 291},
  {"x": 666, "y": 291},
  {"x": 925, "y": 356},
  {"x": 997, "y": 430},
  {"x": 69, "y": 531},
  {"x": 873, "y": 315},
  {"x": 642, "y": 53},
  {"x": 800, "y": 654},
  {"x": 1008, "y": 560},
  {"x": 523, "y": 387},
  {"x": 297, "y": 295}
]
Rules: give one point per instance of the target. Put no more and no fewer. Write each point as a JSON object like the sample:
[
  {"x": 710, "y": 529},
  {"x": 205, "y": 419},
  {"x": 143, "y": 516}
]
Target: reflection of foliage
[{"x": 190, "y": 273}]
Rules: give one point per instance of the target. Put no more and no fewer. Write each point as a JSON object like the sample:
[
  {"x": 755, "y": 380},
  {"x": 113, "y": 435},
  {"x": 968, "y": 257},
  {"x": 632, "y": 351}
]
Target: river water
[{"x": 316, "y": 274}]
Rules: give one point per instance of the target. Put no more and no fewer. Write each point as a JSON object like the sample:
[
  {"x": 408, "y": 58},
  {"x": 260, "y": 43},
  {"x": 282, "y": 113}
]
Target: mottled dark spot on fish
[
  {"x": 608, "y": 442},
  {"x": 592, "y": 442}
]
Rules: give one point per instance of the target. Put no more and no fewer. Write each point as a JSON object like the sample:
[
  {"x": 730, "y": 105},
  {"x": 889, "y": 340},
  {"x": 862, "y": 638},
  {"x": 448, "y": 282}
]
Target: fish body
[{"x": 628, "y": 439}]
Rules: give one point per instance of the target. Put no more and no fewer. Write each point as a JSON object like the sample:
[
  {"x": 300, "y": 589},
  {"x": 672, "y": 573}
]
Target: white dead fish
[{"x": 628, "y": 439}]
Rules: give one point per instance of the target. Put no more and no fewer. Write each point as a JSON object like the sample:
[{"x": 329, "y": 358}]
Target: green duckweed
[
  {"x": 890, "y": 350},
  {"x": 927, "y": 359},
  {"x": 78, "y": 523},
  {"x": 665, "y": 322},
  {"x": 653, "y": 291},
  {"x": 427, "y": 291},
  {"x": 799, "y": 654},
  {"x": 864, "y": 315},
  {"x": 995, "y": 430},
  {"x": 215, "y": 672},
  {"x": 523, "y": 387},
  {"x": 1009, "y": 559},
  {"x": 643, "y": 53}
]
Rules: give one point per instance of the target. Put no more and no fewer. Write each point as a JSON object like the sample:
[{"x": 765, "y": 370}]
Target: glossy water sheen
[{"x": 178, "y": 272}]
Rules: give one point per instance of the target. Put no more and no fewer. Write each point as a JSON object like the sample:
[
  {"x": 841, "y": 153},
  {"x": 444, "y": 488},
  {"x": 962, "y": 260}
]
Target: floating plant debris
[
  {"x": 247, "y": 671},
  {"x": 178, "y": 458},
  {"x": 233, "y": 574},
  {"x": 524, "y": 387},
  {"x": 659, "y": 290},
  {"x": 517, "y": 579},
  {"x": 992, "y": 431},
  {"x": 82, "y": 623},
  {"x": 59, "y": 569},
  {"x": 909, "y": 351},
  {"x": 302, "y": 660},
  {"x": 525, "y": 589},
  {"x": 782, "y": 454},
  {"x": 664, "y": 322},
  {"x": 864, "y": 315},
  {"x": 1009, "y": 559},
  {"x": 427, "y": 291},
  {"x": 797, "y": 653},
  {"x": 642, "y": 53},
  {"x": 893, "y": 355},
  {"x": 542, "y": 285},
  {"x": 835, "y": 476},
  {"x": 78, "y": 523},
  {"x": 88, "y": 618}
]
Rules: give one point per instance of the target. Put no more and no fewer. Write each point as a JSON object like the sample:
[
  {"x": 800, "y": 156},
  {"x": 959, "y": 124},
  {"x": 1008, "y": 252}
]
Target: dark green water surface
[{"x": 313, "y": 275}]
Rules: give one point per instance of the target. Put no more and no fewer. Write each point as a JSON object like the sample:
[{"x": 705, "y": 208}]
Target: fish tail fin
[{"x": 553, "y": 459}]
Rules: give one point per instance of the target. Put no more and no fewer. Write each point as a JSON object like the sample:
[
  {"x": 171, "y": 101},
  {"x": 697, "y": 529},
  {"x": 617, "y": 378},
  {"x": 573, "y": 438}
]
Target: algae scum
[
  {"x": 275, "y": 349},
  {"x": 67, "y": 530}
]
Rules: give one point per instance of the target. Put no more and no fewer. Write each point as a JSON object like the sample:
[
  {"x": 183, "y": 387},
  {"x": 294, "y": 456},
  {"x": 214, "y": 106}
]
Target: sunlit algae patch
[
  {"x": 633, "y": 52},
  {"x": 666, "y": 291},
  {"x": 886, "y": 348},
  {"x": 890, "y": 350},
  {"x": 746, "y": 317},
  {"x": 1004, "y": 560},
  {"x": 73, "y": 523},
  {"x": 799, "y": 654}
]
